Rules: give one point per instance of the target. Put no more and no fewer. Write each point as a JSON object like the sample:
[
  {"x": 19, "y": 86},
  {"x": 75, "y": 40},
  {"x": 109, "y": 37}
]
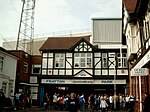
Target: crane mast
[{"x": 26, "y": 27}]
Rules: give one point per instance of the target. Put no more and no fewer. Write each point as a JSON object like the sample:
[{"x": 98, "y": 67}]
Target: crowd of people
[
  {"x": 21, "y": 100},
  {"x": 101, "y": 102},
  {"x": 74, "y": 102}
]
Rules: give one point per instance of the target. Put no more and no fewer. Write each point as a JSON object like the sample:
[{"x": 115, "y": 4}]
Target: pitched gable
[{"x": 83, "y": 45}]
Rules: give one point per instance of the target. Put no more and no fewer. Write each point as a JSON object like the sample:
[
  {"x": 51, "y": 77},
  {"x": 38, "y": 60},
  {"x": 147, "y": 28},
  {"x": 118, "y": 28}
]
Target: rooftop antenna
[{"x": 26, "y": 27}]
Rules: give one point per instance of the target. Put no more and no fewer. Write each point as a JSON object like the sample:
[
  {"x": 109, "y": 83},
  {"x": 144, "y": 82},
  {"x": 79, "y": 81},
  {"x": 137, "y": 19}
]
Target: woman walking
[{"x": 103, "y": 105}]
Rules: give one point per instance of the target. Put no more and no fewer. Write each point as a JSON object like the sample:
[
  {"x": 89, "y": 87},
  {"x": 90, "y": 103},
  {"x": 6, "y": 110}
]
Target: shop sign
[
  {"x": 75, "y": 81},
  {"x": 140, "y": 72}
]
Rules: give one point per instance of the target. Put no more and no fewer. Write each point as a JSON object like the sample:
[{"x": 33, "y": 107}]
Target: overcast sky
[{"x": 56, "y": 15}]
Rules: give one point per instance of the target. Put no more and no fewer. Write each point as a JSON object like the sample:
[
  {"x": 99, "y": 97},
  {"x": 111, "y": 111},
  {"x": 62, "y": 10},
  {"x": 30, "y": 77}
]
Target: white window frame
[
  {"x": 36, "y": 66},
  {"x": 82, "y": 60},
  {"x": 59, "y": 60},
  {"x": 122, "y": 60},
  {"x": 104, "y": 60}
]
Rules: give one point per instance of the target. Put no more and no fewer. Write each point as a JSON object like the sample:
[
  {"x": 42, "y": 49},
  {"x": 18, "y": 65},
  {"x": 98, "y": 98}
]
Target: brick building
[{"x": 137, "y": 32}]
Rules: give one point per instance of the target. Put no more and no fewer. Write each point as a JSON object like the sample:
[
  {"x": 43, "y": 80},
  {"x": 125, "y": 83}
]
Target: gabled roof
[
  {"x": 62, "y": 43},
  {"x": 130, "y": 5}
]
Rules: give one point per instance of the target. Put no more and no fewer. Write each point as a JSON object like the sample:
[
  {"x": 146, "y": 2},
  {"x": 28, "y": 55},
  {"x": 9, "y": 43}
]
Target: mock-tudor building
[
  {"x": 137, "y": 31},
  {"x": 73, "y": 64}
]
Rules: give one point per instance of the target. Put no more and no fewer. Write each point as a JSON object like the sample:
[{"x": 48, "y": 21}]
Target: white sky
[{"x": 56, "y": 15}]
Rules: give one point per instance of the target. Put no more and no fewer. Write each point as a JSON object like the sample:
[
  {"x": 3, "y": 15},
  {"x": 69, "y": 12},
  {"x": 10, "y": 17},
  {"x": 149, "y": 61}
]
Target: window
[
  {"x": 25, "y": 68},
  {"x": 122, "y": 60},
  {"x": 83, "y": 60},
  {"x": 1, "y": 63},
  {"x": 133, "y": 31},
  {"x": 104, "y": 60},
  {"x": 4, "y": 86},
  {"x": 36, "y": 69},
  {"x": 59, "y": 60}
]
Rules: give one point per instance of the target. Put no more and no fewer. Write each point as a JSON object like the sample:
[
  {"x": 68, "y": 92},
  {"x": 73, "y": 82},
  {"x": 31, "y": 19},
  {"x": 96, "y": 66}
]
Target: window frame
[
  {"x": 36, "y": 66},
  {"x": 104, "y": 60},
  {"x": 25, "y": 67},
  {"x": 81, "y": 60},
  {"x": 4, "y": 87},
  {"x": 59, "y": 61},
  {"x": 1, "y": 63},
  {"x": 122, "y": 61}
]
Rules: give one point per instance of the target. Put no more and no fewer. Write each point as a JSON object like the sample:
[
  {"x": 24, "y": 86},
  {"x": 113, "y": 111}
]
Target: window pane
[
  {"x": 44, "y": 72},
  {"x": 76, "y": 54},
  {"x": 89, "y": 54},
  {"x": 82, "y": 60},
  {"x": 82, "y": 64},
  {"x": 82, "y": 54},
  {"x": 44, "y": 54},
  {"x": 36, "y": 70},
  {"x": 44, "y": 63}
]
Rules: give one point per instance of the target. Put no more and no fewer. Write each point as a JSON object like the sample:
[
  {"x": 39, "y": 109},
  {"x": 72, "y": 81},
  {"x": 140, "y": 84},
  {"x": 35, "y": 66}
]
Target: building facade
[
  {"x": 136, "y": 29},
  {"x": 28, "y": 71},
  {"x": 8, "y": 66},
  {"x": 74, "y": 65}
]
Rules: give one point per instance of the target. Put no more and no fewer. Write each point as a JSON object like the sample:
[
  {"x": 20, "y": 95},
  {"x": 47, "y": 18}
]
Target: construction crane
[{"x": 26, "y": 27}]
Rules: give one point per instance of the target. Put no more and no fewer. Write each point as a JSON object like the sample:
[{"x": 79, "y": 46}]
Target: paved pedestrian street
[{"x": 38, "y": 109}]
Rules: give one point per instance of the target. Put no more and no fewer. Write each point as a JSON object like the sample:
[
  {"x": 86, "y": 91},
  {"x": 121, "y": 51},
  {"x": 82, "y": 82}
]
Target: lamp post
[
  {"x": 115, "y": 68},
  {"x": 115, "y": 88}
]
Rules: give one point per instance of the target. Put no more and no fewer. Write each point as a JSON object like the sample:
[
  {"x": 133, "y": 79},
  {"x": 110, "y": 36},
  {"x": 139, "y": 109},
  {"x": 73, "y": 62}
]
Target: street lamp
[{"x": 115, "y": 86}]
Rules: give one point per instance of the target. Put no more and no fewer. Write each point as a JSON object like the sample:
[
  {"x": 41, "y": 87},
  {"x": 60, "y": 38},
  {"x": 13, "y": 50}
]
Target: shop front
[{"x": 79, "y": 86}]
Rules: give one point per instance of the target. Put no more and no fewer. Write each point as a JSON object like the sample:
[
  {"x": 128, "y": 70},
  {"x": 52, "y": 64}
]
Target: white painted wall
[{"x": 8, "y": 73}]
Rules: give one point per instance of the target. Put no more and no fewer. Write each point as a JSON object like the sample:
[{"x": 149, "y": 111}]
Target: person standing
[
  {"x": 2, "y": 99},
  {"x": 127, "y": 99},
  {"x": 103, "y": 105},
  {"x": 131, "y": 104},
  {"x": 17, "y": 100},
  {"x": 82, "y": 101},
  {"x": 146, "y": 103},
  {"x": 73, "y": 103},
  {"x": 46, "y": 101},
  {"x": 111, "y": 103}
]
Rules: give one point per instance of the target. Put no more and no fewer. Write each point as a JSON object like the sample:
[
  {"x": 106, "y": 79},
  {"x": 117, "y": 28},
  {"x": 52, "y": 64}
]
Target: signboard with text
[
  {"x": 79, "y": 81},
  {"x": 140, "y": 72}
]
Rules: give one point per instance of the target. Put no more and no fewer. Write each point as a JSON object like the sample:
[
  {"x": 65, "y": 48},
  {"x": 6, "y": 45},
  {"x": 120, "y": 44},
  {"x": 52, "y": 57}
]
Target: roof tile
[{"x": 62, "y": 43}]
